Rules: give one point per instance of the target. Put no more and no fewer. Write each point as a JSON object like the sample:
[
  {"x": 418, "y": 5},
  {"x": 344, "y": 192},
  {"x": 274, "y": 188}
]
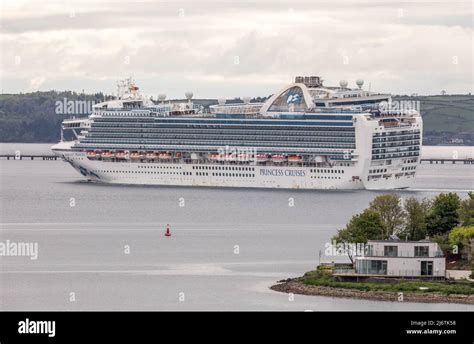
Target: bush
[
  {"x": 460, "y": 234},
  {"x": 325, "y": 267}
]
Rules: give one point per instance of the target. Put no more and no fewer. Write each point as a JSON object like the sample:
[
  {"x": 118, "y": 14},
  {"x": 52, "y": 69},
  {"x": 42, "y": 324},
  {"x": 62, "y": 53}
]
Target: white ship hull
[{"x": 220, "y": 175}]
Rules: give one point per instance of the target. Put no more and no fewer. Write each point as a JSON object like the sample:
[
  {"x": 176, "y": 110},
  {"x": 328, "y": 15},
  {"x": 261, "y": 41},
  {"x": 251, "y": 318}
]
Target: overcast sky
[{"x": 235, "y": 48}]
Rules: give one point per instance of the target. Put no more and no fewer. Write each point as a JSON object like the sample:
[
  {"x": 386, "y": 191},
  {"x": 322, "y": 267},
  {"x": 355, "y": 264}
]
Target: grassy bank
[{"x": 325, "y": 279}]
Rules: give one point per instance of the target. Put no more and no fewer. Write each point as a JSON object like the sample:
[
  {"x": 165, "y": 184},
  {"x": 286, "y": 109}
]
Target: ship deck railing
[
  {"x": 236, "y": 162},
  {"x": 387, "y": 273},
  {"x": 246, "y": 114}
]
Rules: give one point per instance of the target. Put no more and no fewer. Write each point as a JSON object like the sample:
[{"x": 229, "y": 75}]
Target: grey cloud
[{"x": 172, "y": 54}]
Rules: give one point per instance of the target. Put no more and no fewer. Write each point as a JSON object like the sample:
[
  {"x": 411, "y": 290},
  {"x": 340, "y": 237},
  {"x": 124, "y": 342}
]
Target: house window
[
  {"x": 370, "y": 250},
  {"x": 372, "y": 267},
  {"x": 422, "y": 251},
  {"x": 378, "y": 267},
  {"x": 390, "y": 251}
]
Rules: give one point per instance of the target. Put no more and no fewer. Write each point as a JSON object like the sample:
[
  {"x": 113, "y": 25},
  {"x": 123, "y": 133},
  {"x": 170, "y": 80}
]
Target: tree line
[{"x": 32, "y": 117}]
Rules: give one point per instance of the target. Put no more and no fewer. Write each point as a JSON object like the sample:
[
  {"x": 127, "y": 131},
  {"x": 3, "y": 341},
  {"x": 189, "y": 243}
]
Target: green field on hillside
[{"x": 452, "y": 114}]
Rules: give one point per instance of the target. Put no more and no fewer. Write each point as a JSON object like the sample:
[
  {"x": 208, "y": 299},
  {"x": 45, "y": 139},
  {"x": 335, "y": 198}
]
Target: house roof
[{"x": 424, "y": 241}]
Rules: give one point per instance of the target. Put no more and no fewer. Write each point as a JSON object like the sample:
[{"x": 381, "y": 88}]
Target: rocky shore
[{"x": 296, "y": 286}]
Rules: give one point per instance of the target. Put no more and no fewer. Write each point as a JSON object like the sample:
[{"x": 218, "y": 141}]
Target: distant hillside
[
  {"x": 446, "y": 119},
  {"x": 32, "y": 117}
]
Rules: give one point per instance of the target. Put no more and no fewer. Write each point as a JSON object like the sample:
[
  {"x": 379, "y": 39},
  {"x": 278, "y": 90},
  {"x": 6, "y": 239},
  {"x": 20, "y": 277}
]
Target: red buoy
[{"x": 168, "y": 233}]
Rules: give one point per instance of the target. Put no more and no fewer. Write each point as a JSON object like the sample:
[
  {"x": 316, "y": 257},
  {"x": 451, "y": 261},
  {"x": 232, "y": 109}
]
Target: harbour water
[{"x": 101, "y": 247}]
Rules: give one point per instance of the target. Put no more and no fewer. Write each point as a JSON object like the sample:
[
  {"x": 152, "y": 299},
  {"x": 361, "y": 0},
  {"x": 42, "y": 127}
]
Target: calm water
[{"x": 81, "y": 248}]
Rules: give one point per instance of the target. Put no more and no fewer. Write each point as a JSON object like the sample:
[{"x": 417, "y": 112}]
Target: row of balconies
[
  {"x": 404, "y": 144},
  {"x": 395, "y": 156},
  {"x": 397, "y": 138},
  {"x": 402, "y": 254},
  {"x": 397, "y": 133}
]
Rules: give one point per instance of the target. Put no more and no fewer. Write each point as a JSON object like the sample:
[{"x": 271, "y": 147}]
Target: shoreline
[{"x": 296, "y": 286}]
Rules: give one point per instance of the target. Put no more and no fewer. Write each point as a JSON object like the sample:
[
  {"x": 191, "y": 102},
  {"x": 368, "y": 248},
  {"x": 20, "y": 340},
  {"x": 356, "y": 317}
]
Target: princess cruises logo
[{"x": 293, "y": 98}]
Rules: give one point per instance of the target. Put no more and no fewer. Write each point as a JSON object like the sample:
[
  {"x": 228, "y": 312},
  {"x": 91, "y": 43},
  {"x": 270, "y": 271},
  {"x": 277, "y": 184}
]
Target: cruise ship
[{"x": 306, "y": 136}]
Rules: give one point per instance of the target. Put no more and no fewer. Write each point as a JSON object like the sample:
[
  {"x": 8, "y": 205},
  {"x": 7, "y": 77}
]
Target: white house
[{"x": 399, "y": 258}]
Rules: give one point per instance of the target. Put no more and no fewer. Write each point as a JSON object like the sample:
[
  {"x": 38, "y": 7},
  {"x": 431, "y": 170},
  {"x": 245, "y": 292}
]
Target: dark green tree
[
  {"x": 444, "y": 214},
  {"x": 391, "y": 213},
  {"x": 362, "y": 227},
  {"x": 466, "y": 210},
  {"x": 416, "y": 213}
]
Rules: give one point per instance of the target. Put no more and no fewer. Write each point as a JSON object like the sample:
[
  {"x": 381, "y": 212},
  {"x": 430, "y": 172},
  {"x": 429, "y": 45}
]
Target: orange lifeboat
[
  {"x": 230, "y": 157},
  {"x": 262, "y": 157},
  {"x": 150, "y": 155},
  {"x": 294, "y": 158},
  {"x": 165, "y": 156},
  {"x": 122, "y": 155},
  {"x": 91, "y": 154},
  {"x": 134, "y": 155},
  {"x": 278, "y": 158},
  {"x": 214, "y": 157}
]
